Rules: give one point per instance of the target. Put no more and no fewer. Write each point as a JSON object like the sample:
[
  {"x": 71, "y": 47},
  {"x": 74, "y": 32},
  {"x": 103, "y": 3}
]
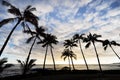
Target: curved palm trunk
[
  {"x": 69, "y": 62},
  {"x": 6, "y": 41},
  {"x": 53, "y": 58},
  {"x": 28, "y": 57},
  {"x": 83, "y": 55},
  {"x": 72, "y": 60},
  {"x": 97, "y": 56},
  {"x": 45, "y": 57},
  {"x": 115, "y": 52}
]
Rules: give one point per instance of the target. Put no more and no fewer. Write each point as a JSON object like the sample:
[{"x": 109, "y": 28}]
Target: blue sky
[{"x": 65, "y": 18}]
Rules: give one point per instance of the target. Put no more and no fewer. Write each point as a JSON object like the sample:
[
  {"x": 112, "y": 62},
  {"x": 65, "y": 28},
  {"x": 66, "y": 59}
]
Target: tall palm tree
[
  {"x": 91, "y": 38},
  {"x": 107, "y": 43},
  {"x": 21, "y": 17},
  {"x": 48, "y": 42},
  {"x": 35, "y": 35},
  {"x": 25, "y": 69},
  {"x": 4, "y": 65},
  {"x": 70, "y": 44},
  {"x": 78, "y": 39},
  {"x": 68, "y": 54}
]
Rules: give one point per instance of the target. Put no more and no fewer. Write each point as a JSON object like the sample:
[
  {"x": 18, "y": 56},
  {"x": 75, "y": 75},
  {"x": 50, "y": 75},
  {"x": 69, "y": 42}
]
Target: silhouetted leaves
[
  {"x": 69, "y": 43},
  {"x": 30, "y": 39},
  {"x": 87, "y": 45},
  {"x": 5, "y": 21},
  {"x": 4, "y": 65},
  {"x": 26, "y": 67}
]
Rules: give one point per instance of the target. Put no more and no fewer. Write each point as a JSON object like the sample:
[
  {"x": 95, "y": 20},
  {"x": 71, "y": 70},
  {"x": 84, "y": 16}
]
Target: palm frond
[
  {"x": 44, "y": 45},
  {"x": 85, "y": 39},
  {"x": 2, "y": 61},
  {"x": 5, "y": 21},
  {"x": 75, "y": 45},
  {"x": 6, "y": 3},
  {"x": 76, "y": 36},
  {"x": 31, "y": 63},
  {"x": 88, "y": 44},
  {"x": 30, "y": 39},
  {"x": 28, "y": 7},
  {"x": 97, "y": 35},
  {"x": 105, "y": 47},
  {"x": 65, "y": 58},
  {"x": 32, "y": 9},
  {"x": 21, "y": 63},
  {"x": 15, "y": 11},
  {"x": 106, "y": 42},
  {"x": 113, "y": 43},
  {"x": 8, "y": 66}
]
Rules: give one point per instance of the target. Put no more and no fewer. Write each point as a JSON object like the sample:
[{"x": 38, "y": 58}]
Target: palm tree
[
  {"x": 25, "y": 69},
  {"x": 4, "y": 65},
  {"x": 21, "y": 17},
  {"x": 91, "y": 39},
  {"x": 48, "y": 42},
  {"x": 107, "y": 43},
  {"x": 70, "y": 44},
  {"x": 78, "y": 39},
  {"x": 68, "y": 54},
  {"x": 35, "y": 35}
]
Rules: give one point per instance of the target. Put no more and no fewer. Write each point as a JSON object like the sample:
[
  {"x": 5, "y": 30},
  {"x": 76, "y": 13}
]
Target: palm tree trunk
[
  {"x": 83, "y": 55},
  {"x": 6, "y": 41},
  {"x": 72, "y": 60},
  {"x": 45, "y": 57},
  {"x": 72, "y": 63},
  {"x": 69, "y": 63},
  {"x": 28, "y": 57},
  {"x": 114, "y": 52},
  {"x": 97, "y": 56},
  {"x": 53, "y": 58}
]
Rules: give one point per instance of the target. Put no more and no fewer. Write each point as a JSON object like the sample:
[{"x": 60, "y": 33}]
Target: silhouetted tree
[
  {"x": 78, "y": 39},
  {"x": 107, "y": 43},
  {"x": 4, "y": 65},
  {"x": 20, "y": 17},
  {"x": 48, "y": 42},
  {"x": 26, "y": 69},
  {"x": 70, "y": 44},
  {"x": 40, "y": 32},
  {"x": 68, "y": 54},
  {"x": 91, "y": 39}
]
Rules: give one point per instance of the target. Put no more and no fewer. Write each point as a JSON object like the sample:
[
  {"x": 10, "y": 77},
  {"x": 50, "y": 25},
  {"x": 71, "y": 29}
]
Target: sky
[{"x": 64, "y": 18}]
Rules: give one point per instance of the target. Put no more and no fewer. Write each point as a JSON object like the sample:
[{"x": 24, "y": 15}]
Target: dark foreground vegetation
[{"x": 68, "y": 75}]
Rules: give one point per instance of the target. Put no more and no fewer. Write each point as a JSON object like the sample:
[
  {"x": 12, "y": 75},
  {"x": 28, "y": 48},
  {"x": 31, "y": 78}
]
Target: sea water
[{"x": 15, "y": 70}]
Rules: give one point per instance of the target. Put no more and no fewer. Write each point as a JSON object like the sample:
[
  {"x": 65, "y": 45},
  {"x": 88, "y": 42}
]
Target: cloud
[{"x": 61, "y": 19}]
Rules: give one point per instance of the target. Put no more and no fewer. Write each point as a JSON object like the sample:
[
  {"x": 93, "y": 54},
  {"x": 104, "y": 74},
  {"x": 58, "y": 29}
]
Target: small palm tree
[
  {"x": 4, "y": 65},
  {"x": 40, "y": 32},
  {"x": 78, "y": 39},
  {"x": 35, "y": 35},
  {"x": 48, "y": 42},
  {"x": 68, "y": 54},
  {"x": 20, "y": 17},
  {"x": 91, "y": 39},
  {"x": 107, "y": 43},
  {"x": 70, "y": 44},
  {"x": 26, "y": 69}
]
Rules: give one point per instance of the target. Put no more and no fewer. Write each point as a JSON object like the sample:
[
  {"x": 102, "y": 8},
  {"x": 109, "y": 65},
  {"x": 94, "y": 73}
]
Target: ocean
[{"x": 15, "y": 70}]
